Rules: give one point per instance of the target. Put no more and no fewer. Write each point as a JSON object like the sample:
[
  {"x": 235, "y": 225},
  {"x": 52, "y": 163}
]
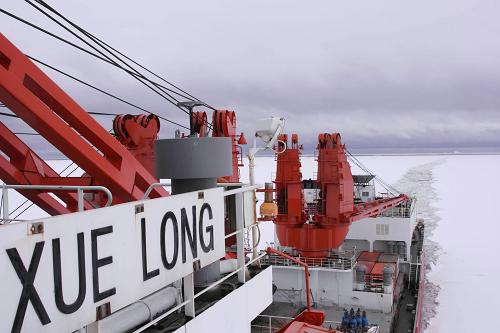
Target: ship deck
[{"x": 406, "y": 312}]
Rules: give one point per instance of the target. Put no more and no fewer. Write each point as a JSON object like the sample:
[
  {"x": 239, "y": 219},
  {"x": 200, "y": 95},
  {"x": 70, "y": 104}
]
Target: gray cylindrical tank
[
  {"x": 388, "y": 282},
  {"x": 390, "y": 247},
  {"x": 194, "y": 164},
  {"x": 360, "y": 276}
]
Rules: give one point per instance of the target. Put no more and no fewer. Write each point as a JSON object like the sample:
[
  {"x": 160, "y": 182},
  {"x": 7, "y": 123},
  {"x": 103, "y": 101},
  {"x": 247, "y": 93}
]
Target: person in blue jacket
[
  {"x": 358, "y": 320},
  {"x": 345, "y": 320},
  {"x": 354, "y": 322},
  {"x": 364, "y": 320}
]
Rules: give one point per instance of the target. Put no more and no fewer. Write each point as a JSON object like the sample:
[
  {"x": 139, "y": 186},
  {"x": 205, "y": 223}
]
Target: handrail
[
  {"x": 79, "y": 189},
  {"x": 343, "y": 261},
  {"x": 154, "y": 185},
  {"x": 242, "y": 189}
]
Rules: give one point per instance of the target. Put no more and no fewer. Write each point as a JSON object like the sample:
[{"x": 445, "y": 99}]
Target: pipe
[
  {"x": 139, "y": 312},
  {"x": 270, "y": 250},
  {"x": 251, "y": 176}
]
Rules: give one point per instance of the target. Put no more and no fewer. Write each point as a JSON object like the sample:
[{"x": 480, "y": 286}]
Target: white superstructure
[{"x": 334, "y": 280}]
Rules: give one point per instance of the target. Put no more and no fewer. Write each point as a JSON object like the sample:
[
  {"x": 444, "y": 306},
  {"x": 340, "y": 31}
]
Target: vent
[{"x": 382, "y": 229}]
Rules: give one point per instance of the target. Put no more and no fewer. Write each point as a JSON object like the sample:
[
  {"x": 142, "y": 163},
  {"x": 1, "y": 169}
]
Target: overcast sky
[{"x": 382, "y": 73}]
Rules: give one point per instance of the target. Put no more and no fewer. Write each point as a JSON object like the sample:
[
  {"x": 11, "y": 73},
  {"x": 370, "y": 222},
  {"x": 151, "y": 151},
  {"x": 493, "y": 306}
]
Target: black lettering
[
  {"x": 82, "y": 284},
  {"x": 191, "y": 234},
  {"x": 209, "y": 229},
  {"x": 169, "y": 216},
  {"x": 96, "y": 263},
  {"x": 29, "y": 292},
  {"x": 145, "y": 274}
]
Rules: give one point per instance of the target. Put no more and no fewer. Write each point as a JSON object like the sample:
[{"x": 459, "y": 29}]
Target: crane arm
[
  {"x": 52, "y": 113},
  {"x": 374, "y": 208}
]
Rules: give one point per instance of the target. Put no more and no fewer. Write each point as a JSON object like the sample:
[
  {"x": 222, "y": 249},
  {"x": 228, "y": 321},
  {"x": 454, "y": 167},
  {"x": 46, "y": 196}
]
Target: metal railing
[
  {"x": 169, "y": 184},
  {"x": 80, "y": 190},
  {"x": 402, "y": 210},
  {"x": 339, "y": 261}
]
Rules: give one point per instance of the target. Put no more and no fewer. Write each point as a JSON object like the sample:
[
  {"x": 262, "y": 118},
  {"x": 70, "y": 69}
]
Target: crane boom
[{"x": 52, "y": 113}]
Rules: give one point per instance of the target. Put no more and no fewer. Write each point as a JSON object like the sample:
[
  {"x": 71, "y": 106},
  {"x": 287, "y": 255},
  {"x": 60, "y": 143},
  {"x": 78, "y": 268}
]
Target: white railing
[
  {"x": 169, "y": 184},
  {"x": 402, "y": 210},
  {"x": 339, "y": 261},
  {"x": 80, "y": 190}
]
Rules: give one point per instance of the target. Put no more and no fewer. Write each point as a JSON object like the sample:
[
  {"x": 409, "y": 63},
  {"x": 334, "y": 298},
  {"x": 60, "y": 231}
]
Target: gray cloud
[{"x": 384, "y": 74}]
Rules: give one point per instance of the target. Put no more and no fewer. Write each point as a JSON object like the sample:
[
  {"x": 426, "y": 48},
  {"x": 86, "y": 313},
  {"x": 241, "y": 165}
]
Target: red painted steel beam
[
  {"x": 44, "y": 106},
  {"x": 25, "y": 167},
  {"x": 10, "y": 175},
  {"x": 376, "y": 207}
]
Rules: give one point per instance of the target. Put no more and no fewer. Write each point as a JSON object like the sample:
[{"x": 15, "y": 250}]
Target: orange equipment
[
  {"x": 224, "y": 125},
  {"x": 335, "y": 209}
]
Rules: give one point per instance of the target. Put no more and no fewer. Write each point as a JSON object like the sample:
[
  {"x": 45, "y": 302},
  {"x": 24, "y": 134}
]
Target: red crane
[
  {"x": 52, "y": 113},
  {"x": 335, "y": 208},
  {"x": 124, "y": 164}
]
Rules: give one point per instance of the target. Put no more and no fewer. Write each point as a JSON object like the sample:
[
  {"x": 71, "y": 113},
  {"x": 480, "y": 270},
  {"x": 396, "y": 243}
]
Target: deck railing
[
  {"x": 338, "y": 260},
  {"x": 404, "y": 210}
]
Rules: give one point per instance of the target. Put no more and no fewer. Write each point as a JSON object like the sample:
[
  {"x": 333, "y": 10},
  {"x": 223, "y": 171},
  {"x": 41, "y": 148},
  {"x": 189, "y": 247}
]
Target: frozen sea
[{"x": 456, "y": 197}]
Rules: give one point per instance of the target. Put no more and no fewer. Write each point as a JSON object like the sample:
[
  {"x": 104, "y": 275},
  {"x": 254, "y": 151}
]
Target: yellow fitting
[{"x": 268, "y": 210}]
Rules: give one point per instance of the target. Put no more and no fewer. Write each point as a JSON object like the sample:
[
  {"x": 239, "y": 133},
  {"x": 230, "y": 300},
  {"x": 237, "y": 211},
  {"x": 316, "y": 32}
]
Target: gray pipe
[
  {"x": 139, "y": 312},
  {"x": 388, "y": 281},
  {"x": 360, "y": 276},
  {"x": 390, "y": 247}
]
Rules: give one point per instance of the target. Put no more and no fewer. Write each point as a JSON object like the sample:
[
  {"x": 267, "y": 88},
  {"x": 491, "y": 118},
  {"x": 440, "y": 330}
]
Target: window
[
  {"x": 382, "y": 229},
  {"x": 365, "y": 194}
]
